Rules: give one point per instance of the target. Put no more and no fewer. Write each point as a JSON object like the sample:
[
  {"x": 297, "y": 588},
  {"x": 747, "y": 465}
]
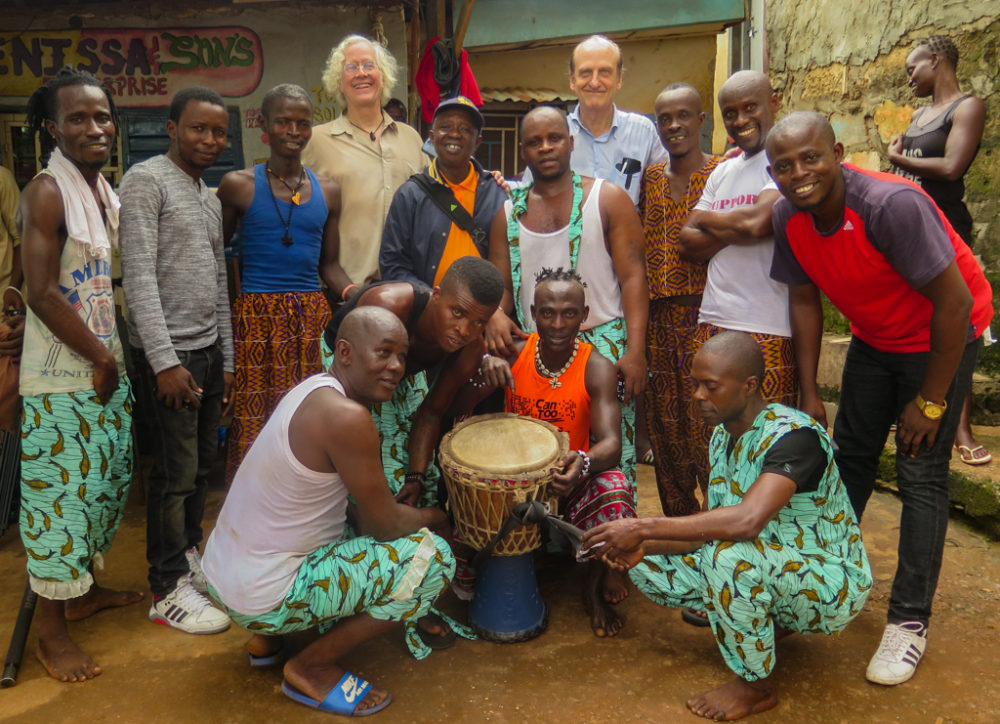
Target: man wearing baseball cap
[{"x": 445, "y": 212}]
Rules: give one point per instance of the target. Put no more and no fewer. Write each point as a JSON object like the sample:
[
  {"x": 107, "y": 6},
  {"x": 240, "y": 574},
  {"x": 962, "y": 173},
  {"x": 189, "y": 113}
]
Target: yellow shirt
[
  {"x": 369, "y": 173},
  {"x": 459, "y": 242}
]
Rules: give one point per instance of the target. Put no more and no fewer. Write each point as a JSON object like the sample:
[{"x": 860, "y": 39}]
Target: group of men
[{"x": 626, "y": 254}]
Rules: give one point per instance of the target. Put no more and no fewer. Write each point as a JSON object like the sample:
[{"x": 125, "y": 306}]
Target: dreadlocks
[
  {"x": 942, "y": 46},
  {"x": 559, "y": 275},
  {"x": 43, "y": 105}
]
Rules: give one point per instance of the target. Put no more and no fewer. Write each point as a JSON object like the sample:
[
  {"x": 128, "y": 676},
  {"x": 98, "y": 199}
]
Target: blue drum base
[{"x": 507, "y": 607}]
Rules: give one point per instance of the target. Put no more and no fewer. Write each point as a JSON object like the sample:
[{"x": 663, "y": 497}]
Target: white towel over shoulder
[{"x": 83, "y": 216}]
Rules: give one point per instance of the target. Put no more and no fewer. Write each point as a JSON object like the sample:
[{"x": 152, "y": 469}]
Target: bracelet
[
  {"x": 345, "y": 290},
  {"x": 10, "y": 288},
  {"x": 414, "y": 477},
  {"x": 586, "y": 463}
]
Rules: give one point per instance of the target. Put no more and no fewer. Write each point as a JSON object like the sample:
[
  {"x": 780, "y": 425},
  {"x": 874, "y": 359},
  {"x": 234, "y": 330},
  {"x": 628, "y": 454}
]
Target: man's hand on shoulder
[{"x": 500, "y": 333}]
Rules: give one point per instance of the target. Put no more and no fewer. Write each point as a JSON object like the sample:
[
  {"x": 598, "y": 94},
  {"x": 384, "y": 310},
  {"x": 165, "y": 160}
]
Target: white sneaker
[
  {"x": 186, "y": 609},
  {"x": 197, "y": 574},
  {"x": 899, "y": 653}
]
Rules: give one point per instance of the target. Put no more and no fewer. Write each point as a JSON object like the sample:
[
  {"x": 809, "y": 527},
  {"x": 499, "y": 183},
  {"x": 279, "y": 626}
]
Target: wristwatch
[{"x": 930, "y": 410}]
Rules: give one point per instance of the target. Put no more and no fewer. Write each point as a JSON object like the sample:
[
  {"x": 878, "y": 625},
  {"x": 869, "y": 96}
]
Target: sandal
[
  {"x": 971, "y": 456},
  {"x": 695, "y": 617}
]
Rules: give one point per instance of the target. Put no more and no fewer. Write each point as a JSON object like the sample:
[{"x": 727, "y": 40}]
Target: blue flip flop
[
  {"x": 278, "y": 657},
  {"x": 342, "y": 699}
]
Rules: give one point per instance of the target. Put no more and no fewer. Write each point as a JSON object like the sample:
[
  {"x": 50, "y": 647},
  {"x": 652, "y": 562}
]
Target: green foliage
[{"x": 833, "y": 321}]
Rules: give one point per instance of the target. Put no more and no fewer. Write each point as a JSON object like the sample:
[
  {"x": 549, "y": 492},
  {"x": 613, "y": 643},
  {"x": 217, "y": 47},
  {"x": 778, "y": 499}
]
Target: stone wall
[{"x": 846, "y": 61}]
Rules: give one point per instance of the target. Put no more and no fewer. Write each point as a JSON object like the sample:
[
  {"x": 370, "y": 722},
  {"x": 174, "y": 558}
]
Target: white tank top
[
  {"x": 48, "y": 365},
  {"x": 551, "y": 250},
  {"x": 277, "y": 512}
]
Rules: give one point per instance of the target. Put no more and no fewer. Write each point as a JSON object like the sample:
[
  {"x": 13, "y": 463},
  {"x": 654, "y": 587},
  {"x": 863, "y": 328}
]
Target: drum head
[{"x": 504, "y": 445}]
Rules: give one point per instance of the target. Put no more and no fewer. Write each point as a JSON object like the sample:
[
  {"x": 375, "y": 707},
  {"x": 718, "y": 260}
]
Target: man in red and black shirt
[{"x": 918, "y": 302}]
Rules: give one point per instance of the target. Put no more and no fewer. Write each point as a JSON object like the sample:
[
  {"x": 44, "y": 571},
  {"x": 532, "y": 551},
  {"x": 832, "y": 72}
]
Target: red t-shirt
[{"x": 891, "y": 241}]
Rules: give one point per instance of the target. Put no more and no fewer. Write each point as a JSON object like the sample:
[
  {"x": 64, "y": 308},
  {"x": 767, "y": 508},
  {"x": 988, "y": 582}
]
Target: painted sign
[{"x": 141, "y": 66}]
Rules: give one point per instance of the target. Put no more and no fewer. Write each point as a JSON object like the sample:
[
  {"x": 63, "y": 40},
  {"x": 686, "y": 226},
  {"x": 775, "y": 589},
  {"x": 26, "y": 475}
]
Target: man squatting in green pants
[
  {"x": 778, "y": 550},
  {"x": 277, "y": 560}
]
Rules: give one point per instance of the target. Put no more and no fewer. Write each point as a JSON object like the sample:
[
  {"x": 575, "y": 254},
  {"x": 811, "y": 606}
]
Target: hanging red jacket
[{"x": 438, "y": 77}]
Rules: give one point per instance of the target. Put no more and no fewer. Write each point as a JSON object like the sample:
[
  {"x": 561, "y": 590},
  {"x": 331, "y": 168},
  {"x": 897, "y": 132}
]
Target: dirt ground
[{"x": 152, "y": 673}]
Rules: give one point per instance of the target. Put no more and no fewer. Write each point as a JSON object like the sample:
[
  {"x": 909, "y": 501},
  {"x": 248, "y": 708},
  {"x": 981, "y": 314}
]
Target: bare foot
[
  {"x": 317, "y": 681},
  {"x": 603, "y": 618},
  {"x": 735, "y": 700},
  {"x": 615, "y": 586},
  {"x": 96, "y": 599},
  {"x": 64, "y": 660}
]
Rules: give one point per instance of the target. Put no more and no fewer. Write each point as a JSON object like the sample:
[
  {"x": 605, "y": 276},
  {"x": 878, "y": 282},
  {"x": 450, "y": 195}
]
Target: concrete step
[{"x": 833, "y": 351}]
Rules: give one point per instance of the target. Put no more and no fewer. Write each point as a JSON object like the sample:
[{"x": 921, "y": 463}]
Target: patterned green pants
[
  {"x": 611, "y": 340},
  {"x": 76, "y": 464},
  {"x": 747, "y": 588},
  {"x": 396, "y": 580}
]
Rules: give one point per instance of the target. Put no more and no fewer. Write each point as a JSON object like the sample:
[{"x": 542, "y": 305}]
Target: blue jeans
[
  {"x": 876, "y": 386},
  {"x": 185, "y": 443}
]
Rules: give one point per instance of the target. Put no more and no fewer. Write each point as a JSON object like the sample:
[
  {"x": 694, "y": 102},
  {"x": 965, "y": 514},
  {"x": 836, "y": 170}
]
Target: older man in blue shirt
[{"x": 608, "y": 143}]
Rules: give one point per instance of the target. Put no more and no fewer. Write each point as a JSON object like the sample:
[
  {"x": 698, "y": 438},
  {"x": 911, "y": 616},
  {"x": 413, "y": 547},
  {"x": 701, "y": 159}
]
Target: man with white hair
[{"x": 364, "y": 150}]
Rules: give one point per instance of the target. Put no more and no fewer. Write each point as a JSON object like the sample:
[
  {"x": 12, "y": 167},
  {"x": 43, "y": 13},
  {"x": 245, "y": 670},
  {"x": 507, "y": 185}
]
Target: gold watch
[{"x": 930, "y": 410}]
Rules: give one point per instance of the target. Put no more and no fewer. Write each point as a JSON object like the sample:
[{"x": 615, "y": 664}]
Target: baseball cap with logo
[{"x": 463, "y": 103}]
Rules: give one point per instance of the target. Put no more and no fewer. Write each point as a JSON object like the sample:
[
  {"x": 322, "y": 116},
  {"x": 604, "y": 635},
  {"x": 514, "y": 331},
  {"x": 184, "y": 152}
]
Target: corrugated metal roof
[{"x": 524, "y": 95}]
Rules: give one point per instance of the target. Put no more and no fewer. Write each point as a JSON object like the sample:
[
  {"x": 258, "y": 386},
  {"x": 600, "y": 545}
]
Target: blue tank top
[{"x": 266, "y": 263}]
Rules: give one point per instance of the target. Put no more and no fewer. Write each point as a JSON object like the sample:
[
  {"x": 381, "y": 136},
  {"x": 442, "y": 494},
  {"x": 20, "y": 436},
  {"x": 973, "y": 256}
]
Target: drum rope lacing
[{"x": 527, "y": 513}]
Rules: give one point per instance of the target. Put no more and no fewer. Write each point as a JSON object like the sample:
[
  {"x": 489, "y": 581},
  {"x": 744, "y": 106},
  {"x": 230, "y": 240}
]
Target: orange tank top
[{"x": 567, "y": 407}]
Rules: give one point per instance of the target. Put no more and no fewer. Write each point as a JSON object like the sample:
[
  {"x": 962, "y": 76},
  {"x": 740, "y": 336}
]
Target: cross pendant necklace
[{"x": 554, "y": 376}]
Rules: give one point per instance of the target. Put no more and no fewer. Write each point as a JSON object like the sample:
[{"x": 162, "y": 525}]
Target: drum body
[{"x": 491, "y": 463}]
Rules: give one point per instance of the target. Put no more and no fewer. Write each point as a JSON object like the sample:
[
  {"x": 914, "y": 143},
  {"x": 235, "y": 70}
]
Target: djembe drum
[{"x": 490, "y": 464}]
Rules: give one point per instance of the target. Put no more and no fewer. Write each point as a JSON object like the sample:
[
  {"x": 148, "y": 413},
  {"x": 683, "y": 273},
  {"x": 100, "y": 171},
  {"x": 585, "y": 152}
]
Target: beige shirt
[
  {"x": 9, "y": 240},
  {"x": 369, "y": 172}
]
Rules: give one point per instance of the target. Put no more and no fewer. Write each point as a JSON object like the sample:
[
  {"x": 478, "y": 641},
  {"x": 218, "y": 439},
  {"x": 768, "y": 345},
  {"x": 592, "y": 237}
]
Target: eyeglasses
[{"x": 368, "y": 66}]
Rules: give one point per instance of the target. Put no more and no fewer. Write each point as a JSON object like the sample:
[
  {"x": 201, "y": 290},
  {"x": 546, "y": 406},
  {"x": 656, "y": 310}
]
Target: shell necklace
[{"x": 554, "y": 376}]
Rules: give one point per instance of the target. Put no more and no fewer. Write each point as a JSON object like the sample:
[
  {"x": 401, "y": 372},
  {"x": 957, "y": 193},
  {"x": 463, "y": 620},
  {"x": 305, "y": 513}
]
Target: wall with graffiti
[
  {"x": 142, "y": 67},
  {"x": 239, "y": 51}
]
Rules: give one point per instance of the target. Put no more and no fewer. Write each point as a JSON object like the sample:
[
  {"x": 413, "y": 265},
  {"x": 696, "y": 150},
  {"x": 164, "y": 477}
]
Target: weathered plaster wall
[{"x": 847, "y": 63}]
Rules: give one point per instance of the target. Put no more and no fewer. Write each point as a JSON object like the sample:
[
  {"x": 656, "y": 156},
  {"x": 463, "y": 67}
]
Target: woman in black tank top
[
  {"x": 936, "y": 151},
  {"x": 943, "y": 138}
]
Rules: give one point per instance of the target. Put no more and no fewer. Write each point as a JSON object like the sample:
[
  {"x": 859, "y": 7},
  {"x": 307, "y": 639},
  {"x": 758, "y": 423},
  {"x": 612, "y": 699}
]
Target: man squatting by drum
[
  {"x": 445, "y": 327},
  {"x": 777, "y": 551},
  {"x": 556, "y": 377},
  {"x": 277, "y": 560}
]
